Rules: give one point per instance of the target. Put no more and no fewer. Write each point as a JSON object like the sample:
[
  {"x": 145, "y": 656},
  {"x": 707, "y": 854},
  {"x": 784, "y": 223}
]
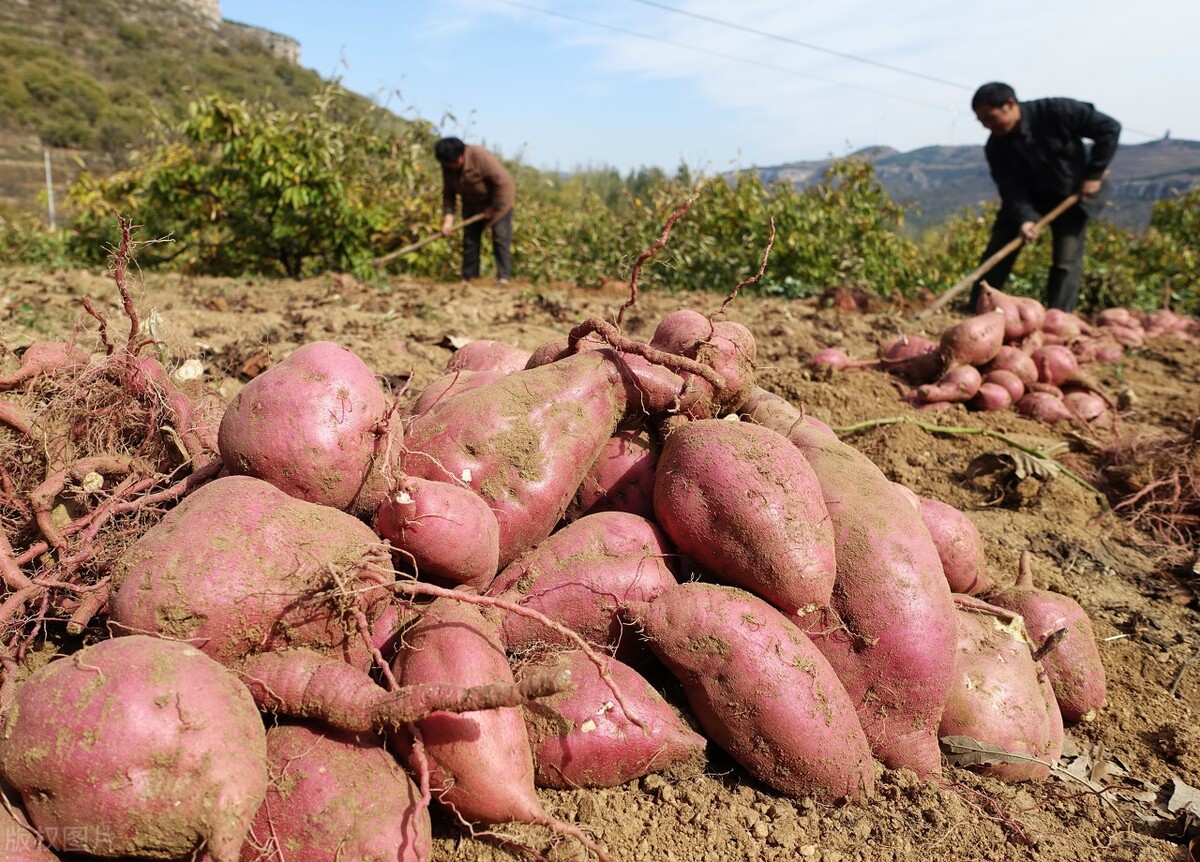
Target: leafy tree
[{"x": 247, "y": 188}]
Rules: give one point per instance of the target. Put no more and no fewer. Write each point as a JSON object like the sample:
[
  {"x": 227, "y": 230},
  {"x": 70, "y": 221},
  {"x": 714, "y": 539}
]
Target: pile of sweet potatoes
[
  {"x": 1014, "y": 353},
  {"x": 479, "y": 589}
]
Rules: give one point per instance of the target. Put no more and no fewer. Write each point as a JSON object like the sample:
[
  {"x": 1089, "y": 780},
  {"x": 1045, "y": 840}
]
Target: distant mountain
[{"x": 943, "y": 180}]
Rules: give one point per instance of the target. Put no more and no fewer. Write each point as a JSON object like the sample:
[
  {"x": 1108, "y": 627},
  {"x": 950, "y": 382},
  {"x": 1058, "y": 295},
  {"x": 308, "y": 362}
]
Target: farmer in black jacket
[{"x": 1037, "y": 157}]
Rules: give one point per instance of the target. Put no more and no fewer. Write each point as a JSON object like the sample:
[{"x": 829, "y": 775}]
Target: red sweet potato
[
  {"x": 241, "y": 567},
  {"x": 315, "y": 427},
  {"x": 441, "y": 532},
  {"x": 582, "y": 738},
  {"x": 336, "y": 796},
  {"x": 450, "y": 384},
  {"x": 481, "y": 762},
  {"x": 488, "y": 355},
  {"x": 137, "y": 746},
  {"x": 622, "y": 477},
  {"x": 890, "y": 630},
  {"x": 959, "y": 546},
  {"x": 525, "y": 441},
  {"x": 760, "y": 690},
  {"x": 18, "y": 839},
  {"x": 1000, "y": 696},
  {"x": 740, "y": 501},
  {"x": 725, "y": 346},
  {"x": 1073, "y": 662},
  {"x": 582, "y": 576},
  {"x": 974, "y": 341}
]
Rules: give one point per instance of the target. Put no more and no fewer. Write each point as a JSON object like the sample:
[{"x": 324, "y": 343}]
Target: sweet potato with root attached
[
  {"x": 958, "y": 384},
  {"x": 582, "y": 576},
  {"x": 959, "y": 546},
  {"x": 315, "y": 426},
  {"x": 890, "y": 630},
  {"x": 20, "y": 841},
  {"x": 1071, "y": 659},
  {"x": 524, "y": 442},
  {"x": 1000, "y": 696},
  {"x": 479, "y": 764},
  {"x": 726, "y": 346},
  {"x": 241, "y": 567},
  {"x": 740, "y": 501},
  {"x": 441, "y": 532},
  {"x": 140, "y": 747},
  {"x": 760, "y": 690},
  {"x": 582, "y": 738},
  {"x": 336, "y": 796},
  {"x": 299, "y": 683}
]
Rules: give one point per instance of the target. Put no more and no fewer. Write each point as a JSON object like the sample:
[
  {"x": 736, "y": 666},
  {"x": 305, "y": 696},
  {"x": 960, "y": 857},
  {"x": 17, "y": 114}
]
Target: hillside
[
  {"x": 942, "y": 179},
  {"x": 81, "y": 77}
]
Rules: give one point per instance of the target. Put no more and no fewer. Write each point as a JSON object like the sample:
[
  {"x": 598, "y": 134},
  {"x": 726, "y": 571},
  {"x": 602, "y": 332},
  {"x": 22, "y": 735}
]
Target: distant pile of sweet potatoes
[
  {"x": 1016, "y": 354},
  {"x": 461, "y": 595}
]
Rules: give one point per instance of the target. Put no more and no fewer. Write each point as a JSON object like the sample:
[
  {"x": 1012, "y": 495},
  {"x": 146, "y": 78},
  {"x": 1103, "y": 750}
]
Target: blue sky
[{"x": 628, "y": 83}]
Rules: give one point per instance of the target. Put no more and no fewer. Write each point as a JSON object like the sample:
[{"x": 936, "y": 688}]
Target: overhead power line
[
  {"x": 733, "y": 25},
  {"x": 723, "y": 55}
]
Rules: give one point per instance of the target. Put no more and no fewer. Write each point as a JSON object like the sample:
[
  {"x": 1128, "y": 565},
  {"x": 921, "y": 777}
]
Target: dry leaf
[
  {"x": 965, "y": 751},
  {"x": 1020, "y": 464},
  {"x": 1183, "y": 797}
]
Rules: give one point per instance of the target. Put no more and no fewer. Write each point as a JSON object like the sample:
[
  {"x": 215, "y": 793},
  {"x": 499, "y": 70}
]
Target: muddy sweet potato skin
[
  {"x": 744, "y": 504},
  {"x": 760, "y": 690},
  {"x": 336, "y": 795},
  {"x": 523, "y": 442},
  {"x": 1073, "y": 662},
  {"x": 314, "y": 427},
  {"x": 137, "y": 746},
  {"x": 583, "y": 738},
  {"x": 240, "y": 567},
  {"x": 999, "y": 695},
  {"x": 582, "y": 576},
  {"x": 481, "y": 765},
  {"x": 959, "y": 546},
  {"x": 890, "y": 629}
]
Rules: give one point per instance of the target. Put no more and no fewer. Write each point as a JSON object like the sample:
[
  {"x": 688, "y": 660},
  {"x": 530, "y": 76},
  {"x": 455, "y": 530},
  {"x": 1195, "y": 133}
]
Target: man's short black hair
[
  {"x": 992, "y": 95},
  {"x": 449, "y": 149}
]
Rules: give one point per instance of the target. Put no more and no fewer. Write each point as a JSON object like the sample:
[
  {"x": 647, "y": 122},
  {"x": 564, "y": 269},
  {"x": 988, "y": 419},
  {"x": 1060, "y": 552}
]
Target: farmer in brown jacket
[{"x": 485, "y": 186}]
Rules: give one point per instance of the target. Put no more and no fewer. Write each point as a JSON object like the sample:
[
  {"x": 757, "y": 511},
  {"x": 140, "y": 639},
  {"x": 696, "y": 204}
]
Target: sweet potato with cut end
[
  {"x": 890, "y": 630},
  {"x": 1072, "y": 661},
  {"x": 582, "y": 576},
  {"x": 739, "y": 500},
  {"x": 241, "y": 567},
  {"x": 583, "y": 738},
  {"x": 442, "y": 531},
  {"x": 760, "y": 690},
  {"x": 1000, "y": 696},
  {"x": 137, "y": 746},
  {"x": 315, "y": 427},
  {"x": 336, "y": 796},
  {"x": 959, "y": 547}
]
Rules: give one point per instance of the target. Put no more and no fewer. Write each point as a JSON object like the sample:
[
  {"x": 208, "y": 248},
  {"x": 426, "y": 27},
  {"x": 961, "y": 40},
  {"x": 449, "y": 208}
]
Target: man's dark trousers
[
  {"x": 501, "y": 244},
  {"x": 1066, "y": 268}
]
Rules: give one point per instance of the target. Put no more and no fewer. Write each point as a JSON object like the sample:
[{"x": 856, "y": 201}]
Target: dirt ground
[{"x": 1144, "y": 746}]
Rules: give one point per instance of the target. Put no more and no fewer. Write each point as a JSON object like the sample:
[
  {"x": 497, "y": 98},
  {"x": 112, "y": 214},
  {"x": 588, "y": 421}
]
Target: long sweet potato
[
  {"x": 744, "y": 504},
  {"x": 890, "y": 630},
  {"x": 760, "y": 690},
  {"x": 582, "y": 576}
]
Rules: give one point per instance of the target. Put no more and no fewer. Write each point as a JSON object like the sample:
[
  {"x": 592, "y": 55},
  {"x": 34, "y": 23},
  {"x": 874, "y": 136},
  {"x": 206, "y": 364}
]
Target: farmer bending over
[
  {"x": 1037, "y": 157},
  {"x": 485, "y": 186}
]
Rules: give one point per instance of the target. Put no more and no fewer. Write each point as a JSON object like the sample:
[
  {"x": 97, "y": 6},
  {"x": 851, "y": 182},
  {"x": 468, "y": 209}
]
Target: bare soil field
[{"x": 1143, "y": 747}]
